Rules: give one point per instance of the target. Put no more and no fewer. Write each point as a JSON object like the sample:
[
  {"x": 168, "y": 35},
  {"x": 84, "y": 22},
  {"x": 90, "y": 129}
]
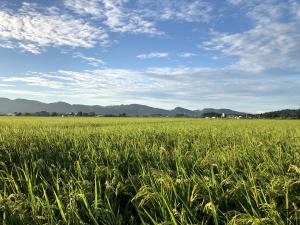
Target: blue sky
[{"x": 238, "y": 54}]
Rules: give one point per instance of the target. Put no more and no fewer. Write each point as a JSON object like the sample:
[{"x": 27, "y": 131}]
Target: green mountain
[
  {"x": 30, "y": 106},
  {"x": 282, "y": 114}
]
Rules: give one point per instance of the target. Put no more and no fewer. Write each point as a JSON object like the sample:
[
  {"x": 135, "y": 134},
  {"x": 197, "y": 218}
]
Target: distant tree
[
  {"x": 156, "y": 115},
  {"x": 79, "y": 113},
  {"x": 92, "y": 114},
  {"x": 43, "y": 113},
  {"x": 283, "y": 114},
  {"x": 212, "y": 114},
  {"x": 109, "y": 115},
  {"x": 179, "y": 115},
  {"x": 54, "y": 114}
]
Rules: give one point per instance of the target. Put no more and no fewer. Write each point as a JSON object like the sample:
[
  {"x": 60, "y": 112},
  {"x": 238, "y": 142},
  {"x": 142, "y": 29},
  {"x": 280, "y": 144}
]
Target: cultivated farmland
[{"x": 118, "y": 171}]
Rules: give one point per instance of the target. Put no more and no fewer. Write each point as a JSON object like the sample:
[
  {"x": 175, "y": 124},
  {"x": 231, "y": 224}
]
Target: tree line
[{"x": 282, "y": 114}]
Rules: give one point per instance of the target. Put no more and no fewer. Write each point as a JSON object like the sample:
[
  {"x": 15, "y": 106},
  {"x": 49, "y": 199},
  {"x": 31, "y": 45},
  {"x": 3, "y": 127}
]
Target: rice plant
[{"x": 116, "y": 171}]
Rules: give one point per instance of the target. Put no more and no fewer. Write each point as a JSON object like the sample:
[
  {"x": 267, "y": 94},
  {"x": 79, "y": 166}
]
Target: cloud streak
[
  {"x": 33, "y": 81},
  {"x": 271, "y": 45},
  {"x": 193, "y": 87},
  {"x": 87, "y": 23},
  {"x": 32, "y": 29},
  {"x": 153, "y": 55},
  {"x": 188, "y": 11},
  {"x": 85, "y": 7},
  {"x": 90, "y": 60},
  {"x": 114, "y": 15},
  {"x": 187, "y": 55}
]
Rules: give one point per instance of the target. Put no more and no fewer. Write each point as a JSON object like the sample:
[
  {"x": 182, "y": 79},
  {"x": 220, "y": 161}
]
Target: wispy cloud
[
  {"x": 235, "y": 2},
  {"x": 90, "y": 60},
  {"x": 7, "y": 85},
  {"x": 178, "y": 71},
  {"x": 90, "y": 7},
  {"x": 119, "y": 17},
  {"x": 196, "y": 86},
  {"x": 32, "y": 28},
  {"x": 153, "y": 55},
  {"x": 270, "y": 45},
  {"x": 24, "y": 92},
  {"x": 189, "y": 11},
  {"x": 187, "y": 54},
  {"x": 33, "y": 81},
  {"x": 115, "y": 15},
  {"x": 87, "y": 23}
]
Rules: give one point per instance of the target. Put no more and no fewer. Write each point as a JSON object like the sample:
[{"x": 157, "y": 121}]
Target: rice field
[{"x": 119, "y": 171}]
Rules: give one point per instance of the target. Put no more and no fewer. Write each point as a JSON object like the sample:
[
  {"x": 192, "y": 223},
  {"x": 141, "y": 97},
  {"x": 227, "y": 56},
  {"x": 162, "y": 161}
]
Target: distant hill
[
  {"x": 283, "y": 114},
  {"x": 220, "y": 111},
  {"x": 30, "y": 106}
]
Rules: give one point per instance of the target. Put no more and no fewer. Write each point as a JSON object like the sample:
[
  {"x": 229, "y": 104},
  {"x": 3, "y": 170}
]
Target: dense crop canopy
[{"x": 117, "y": 171}]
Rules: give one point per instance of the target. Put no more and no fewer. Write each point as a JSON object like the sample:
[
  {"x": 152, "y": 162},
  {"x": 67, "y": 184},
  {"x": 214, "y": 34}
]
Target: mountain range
[{"x": 31, "y": 106}]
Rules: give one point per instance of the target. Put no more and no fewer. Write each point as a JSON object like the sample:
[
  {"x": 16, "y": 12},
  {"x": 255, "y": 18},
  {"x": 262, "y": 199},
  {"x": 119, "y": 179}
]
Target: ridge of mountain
[{"x": 32, "y": 106}]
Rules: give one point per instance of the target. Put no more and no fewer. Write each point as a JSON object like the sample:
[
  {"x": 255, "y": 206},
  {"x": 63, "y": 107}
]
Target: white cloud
[
  {"x": 235, "y": 2},
  {"x": 115, "y": 15},
  {"x": 90, "y": 7},
  {"x": 189, "y": 11},
  {"x": 33, "y": 81},
  {"x": 28, "y": 47},
  {"x": 153, "y": 55},
  {"x": 177, "y": 71},
  {"x": 268, "y": 11},
  {"x": 142, "y": 15},
  {"x": 121, "y": 19},
  {"x": 7, "y": 85},
  {"x": 166, "y": 87},
  {"x": 272, "y": 44},
  {"x": 194, "y": 11},
  {"x": 7, "y": 44},
  {"x": 24, "y": 92},
  {"x": 91, "y": 60},
  {"x": 33, "y": 28},
  {"x": 187, "y": 54}
]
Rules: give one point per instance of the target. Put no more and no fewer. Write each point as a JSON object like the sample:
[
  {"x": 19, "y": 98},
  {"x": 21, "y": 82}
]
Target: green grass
[{"x": 117, "y": 171}]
